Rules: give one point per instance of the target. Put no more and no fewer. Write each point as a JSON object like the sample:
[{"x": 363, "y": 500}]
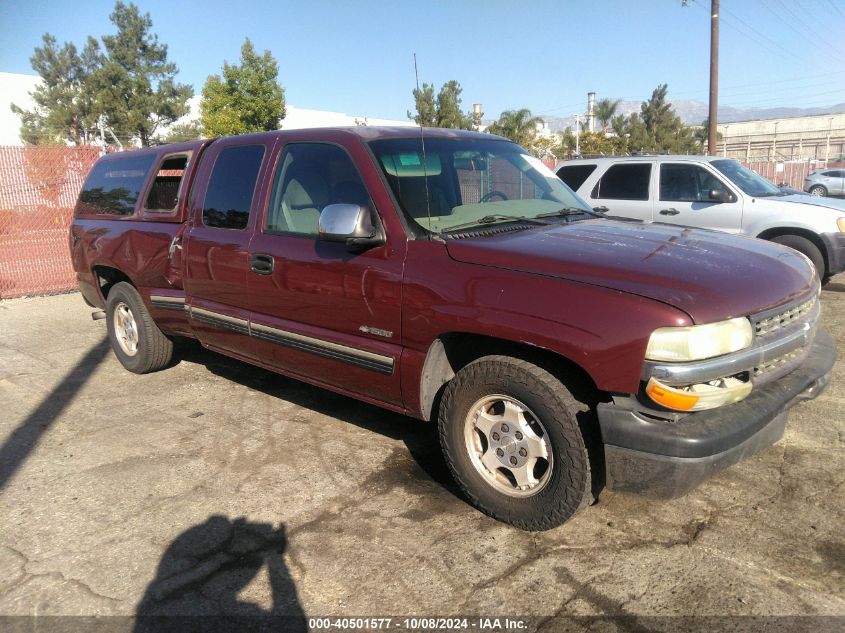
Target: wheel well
[
  {"x": 451, "y": 352},
  {"x": 107, "y": 277},
  {"x": 769, "y": 234}
]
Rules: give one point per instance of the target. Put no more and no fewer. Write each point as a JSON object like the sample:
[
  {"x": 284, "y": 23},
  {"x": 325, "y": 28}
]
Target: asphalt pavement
[{"x": 214, "y": 487}]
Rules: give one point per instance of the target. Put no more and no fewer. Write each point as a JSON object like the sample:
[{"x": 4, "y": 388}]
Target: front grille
[{"x": 775, "y": 322}]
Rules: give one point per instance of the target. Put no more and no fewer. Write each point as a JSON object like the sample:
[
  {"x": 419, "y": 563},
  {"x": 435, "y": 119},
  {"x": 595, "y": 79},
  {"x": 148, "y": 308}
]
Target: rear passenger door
[
  {"x": 684, "y": 198},
  {"x": 320, "y": 311},
  {"x": 624, "y": 190},
  {"x": 223, "y": 204}
]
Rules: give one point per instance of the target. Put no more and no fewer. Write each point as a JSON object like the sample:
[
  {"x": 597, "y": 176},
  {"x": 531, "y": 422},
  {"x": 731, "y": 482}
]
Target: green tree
[
  {"x": 244, "y": 98},
  {"x": 605, "y": 110},
  {"x": 64, "y": 105},
  {"x": 135, "y": 87},
  {"x": 701, "y": 135},
  {"x": 426, "y": 115},
  {"x": 517, "y": 125},
  {"x": 445, "y": 110},
  {"x": 449, "y": 112},
  {"x": 181, "y": 132},
  {"x": 664, "y": 130}
]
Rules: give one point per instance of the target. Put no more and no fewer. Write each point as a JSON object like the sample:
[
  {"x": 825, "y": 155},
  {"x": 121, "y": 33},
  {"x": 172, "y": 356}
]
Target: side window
[
  {"x": 687, "y": 183},
  {"x": 309, "y": 177},
  {"x": 575, "y": 175},
  {"x": 114, "y": 185},
  {"x": 228, "y": 197},
  {"x": 163, "y": 195},
  {"x": 624, "y": 182}
]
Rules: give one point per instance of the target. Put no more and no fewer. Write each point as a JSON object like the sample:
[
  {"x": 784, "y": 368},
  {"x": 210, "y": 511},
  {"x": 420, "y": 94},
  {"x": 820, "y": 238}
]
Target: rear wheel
[
  {"x": 140, "y": 346},
  {"x": 818, "y": 190},
  {"x": 512, "y": 441},
  {"x": 805, "y": 246}
]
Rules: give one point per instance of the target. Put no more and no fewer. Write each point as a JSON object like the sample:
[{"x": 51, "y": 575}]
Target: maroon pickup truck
[{"x": 451, "y": 276}]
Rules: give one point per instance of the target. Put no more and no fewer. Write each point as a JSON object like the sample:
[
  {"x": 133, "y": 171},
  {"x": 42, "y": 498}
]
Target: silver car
[
  {"x": 826, "y": 182},
  {"x": 713, "y": 193}
]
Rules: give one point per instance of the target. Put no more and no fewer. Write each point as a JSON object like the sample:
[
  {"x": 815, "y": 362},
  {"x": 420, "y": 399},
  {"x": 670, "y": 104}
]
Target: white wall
[{"x": 14, "y": 88}]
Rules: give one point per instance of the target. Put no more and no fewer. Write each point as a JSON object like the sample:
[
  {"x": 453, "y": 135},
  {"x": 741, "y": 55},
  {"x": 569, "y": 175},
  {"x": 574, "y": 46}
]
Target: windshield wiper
[
  {"x": 495, "y": 217},
  {"x": 567, "y": 211}
]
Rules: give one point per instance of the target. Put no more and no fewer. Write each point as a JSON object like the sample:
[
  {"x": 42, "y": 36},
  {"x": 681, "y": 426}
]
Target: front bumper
[
  {"x": 834, "y": 243},
  {"x": 667, "y": 459}
]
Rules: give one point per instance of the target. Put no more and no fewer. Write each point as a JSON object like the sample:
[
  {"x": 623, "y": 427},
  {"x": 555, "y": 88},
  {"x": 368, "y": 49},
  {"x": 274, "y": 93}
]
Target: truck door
[
  {"x": 684, "y": 198},
  {"x": 216, "y": 245},
  {"x": 318, "y": 310}
]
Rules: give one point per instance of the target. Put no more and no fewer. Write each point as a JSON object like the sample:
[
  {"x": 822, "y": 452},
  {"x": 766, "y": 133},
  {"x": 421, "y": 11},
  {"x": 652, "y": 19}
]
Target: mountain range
[{"x": 694, "y": 112}]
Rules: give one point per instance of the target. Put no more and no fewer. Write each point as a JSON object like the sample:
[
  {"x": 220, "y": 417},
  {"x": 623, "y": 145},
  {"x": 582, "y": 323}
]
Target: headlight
[
  {"x": 699, "y": 341},
  {"x": 840, "y": 223}
]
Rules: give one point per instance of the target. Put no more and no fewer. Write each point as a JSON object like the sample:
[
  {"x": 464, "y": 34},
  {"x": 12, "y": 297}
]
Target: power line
[
  {"x": 814, "y": 39},
  {"x": 748, "y": 32},
  {"x": 836, "y": 8}
]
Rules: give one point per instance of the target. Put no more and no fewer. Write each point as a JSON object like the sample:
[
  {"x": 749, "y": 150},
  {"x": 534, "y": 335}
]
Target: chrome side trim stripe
[
  {"x": 219, "y": 320},
  {"x": 344, "y": 353},
  {"x": 165, "y": 302}
]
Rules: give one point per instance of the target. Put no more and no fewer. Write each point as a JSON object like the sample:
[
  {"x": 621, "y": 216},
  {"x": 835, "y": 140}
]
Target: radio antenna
[{"x": 425, "y": 160}]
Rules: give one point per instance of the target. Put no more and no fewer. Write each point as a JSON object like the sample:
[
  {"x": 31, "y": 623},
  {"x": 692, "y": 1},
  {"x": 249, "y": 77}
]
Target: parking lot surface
[{"x": 214, "y": 487}]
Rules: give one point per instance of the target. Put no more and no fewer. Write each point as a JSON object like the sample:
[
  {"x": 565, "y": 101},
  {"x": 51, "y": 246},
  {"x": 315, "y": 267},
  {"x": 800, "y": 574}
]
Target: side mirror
[
  {"x": 349, "y": 223},
  {"x": 718, "y": 195}
]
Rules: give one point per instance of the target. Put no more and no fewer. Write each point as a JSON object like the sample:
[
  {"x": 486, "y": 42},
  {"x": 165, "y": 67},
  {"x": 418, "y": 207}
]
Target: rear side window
[
  {"x": 163, "y": 195},
  {"x": 113, "y": 186},
  {"x": 228, "y": 197},
  {"x": 575, "y": 175},
  {"x": 624, "y": 182}
]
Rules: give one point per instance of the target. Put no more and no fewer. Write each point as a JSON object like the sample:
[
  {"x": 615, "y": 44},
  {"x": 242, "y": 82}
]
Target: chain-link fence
[
  {"x": 38, "y": 190},
  {"x": 789, "y": 172}
]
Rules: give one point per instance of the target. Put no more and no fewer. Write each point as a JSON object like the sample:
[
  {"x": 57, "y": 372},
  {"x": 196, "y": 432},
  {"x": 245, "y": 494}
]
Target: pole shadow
[
  {"x": 26, "y": 436},
  {"x": 202, "y": 572}
]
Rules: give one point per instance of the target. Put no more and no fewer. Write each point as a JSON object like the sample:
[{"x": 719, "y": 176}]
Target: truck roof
[{"x": 364, "y": 132}]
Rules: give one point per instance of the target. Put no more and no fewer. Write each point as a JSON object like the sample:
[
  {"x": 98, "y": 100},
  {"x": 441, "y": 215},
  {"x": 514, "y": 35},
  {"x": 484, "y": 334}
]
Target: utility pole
[{"x": 714, "y": 76}]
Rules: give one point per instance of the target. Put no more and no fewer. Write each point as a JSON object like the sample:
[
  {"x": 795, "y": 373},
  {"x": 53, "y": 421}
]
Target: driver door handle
[
  {"x": 669, "y": 212},
  {"x": 261, "y": 264}
]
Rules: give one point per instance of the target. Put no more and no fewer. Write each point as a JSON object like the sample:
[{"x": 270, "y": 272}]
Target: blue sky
[{"x": 357, "y": 57}]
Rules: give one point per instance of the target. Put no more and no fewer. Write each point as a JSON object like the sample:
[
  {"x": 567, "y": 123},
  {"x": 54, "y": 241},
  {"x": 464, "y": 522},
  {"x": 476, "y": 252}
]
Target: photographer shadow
[{"x": 203, "y": 571}]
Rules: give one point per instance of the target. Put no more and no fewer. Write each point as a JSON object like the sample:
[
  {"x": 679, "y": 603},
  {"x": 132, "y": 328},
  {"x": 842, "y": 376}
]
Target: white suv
[{"x": 713, "y": 193}]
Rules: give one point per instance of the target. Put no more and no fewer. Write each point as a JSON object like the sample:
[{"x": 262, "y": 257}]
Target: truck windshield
[
  {"x": 750, "y": 182},
  {"x": 460, "y": 183}
]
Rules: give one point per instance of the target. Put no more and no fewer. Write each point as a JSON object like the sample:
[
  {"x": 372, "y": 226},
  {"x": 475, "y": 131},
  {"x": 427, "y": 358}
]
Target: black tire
[
  {"x": 568, "y": 486},
  {"x": 153, "y": 350},
  {"x": 805, "y": 246},
  {"x": 818, "y": 190}
]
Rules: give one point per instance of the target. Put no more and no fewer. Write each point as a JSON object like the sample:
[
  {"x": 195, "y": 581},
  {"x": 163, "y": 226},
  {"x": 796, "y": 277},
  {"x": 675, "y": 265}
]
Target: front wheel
[
  {"x": 512, "y": 441},
  {"x": 818, "y": 190},
  {"x": 805, "y": 246},
  {"x": 140, "y": 346}
]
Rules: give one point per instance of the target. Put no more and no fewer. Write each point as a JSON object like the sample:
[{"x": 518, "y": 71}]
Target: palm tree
[
  {"x": 517, "y": 125},
  {"x": 605, "y": 110}
]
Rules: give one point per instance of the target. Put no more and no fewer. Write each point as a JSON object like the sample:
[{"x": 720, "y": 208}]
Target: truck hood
[
  {"x": 816, "y": 201},
  {"x": 711, "y": 276}
]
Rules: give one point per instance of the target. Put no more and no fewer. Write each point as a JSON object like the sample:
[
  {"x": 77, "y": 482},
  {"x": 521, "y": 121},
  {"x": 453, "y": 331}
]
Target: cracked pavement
[{"x": 214, "y": 487}]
